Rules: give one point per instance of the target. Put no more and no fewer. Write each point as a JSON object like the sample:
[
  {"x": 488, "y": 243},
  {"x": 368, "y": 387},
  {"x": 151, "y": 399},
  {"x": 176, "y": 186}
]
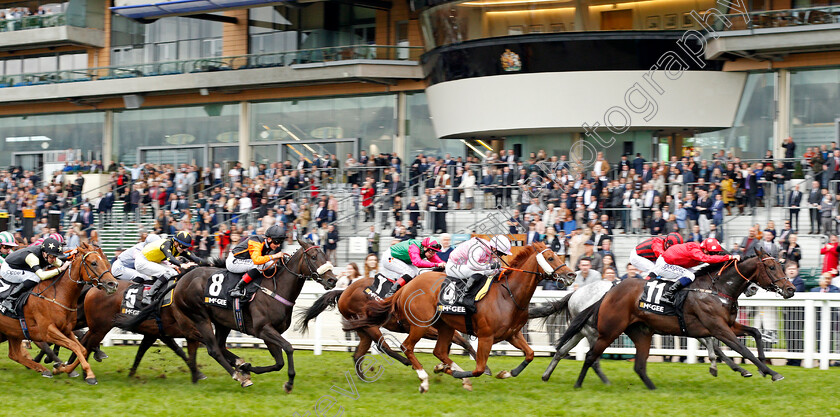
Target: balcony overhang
[
  {"x": 51, "y": 37},
  {"x": 773, "y": 43},
  {"x": 144, "y": 9},
  {"x": 360, "y": 71}
]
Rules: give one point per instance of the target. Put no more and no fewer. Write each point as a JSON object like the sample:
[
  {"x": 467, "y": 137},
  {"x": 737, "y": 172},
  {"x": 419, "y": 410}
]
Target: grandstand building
[{"x": 238, "y": 80}]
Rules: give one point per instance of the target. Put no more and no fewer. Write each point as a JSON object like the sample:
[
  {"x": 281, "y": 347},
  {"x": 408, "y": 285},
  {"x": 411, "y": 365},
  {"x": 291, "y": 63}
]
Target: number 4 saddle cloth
[{"x": 219, "y": 285}]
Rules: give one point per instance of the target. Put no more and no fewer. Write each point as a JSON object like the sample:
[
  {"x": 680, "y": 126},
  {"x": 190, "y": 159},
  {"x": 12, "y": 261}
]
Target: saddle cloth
[
  {"x": 381, "y": 285},
  {"x": 450, "y": 293},
  {"x": 132, "y": 301},
  {"x": 651, "y": 299},
  {"x": 219, "y": 285}
]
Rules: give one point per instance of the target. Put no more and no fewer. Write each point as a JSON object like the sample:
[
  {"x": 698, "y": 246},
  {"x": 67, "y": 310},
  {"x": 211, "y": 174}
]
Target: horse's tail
[
  {"x": 550, "y": 308},
  {"x": 578, "y": 323},
  {"x": 375, "y": 314},
  {"x": 327, "y": 301}
]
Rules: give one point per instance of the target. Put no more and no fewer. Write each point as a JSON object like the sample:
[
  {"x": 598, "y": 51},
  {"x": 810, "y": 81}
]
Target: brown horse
[
  {"x": 499, "y": 316},
  {"x": 707, "y": 309},
  {"x": 266, "y": 317},
  {"x": 51, "y": 311},
  {"x": 101, "y": 309},
  {"x": 350, "y": 303}
]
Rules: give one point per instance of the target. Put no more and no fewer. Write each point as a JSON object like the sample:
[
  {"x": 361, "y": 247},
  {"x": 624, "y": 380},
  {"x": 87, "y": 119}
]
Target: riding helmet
[{"x": 51, "y": 247}]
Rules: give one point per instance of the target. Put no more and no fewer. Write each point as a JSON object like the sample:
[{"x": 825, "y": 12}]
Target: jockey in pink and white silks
[{"x": 473, "y": 261}]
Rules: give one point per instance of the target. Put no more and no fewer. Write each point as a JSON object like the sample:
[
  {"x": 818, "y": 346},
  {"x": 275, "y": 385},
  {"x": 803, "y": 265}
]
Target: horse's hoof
[
  {"x": 200, "y": 377},
  {"x": 423, "y": 389},
  {"x": 439, "y": 368},
  {"x": 246, "y": 383},
  {"x": 46, "y": 373},
  {"x": 488, "y": 372},
  {"x": 99, "y": 355},
  {"x": 713, "y": 372},
  {"x": 467, "y": 386},
  {"x": 503, "y": 375},
  {"x": 131, "y": 373},
  {"x": 777, "y": 377},
  {"x": 288, "y": 387},
  {"x": 545, "y": 378},
  {"x": 73, "y": 374},
  {"x": 746, "y": 374},
  {"x": 91, "y": 381}
]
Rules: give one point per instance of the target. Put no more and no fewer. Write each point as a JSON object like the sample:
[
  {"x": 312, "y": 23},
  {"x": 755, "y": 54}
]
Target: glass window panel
[
  {"x": 50, "y": 132},
  {"x": 13, "y": 66},
  {"x": 815, "y": 97},
  {"x": 48, "y": 63},
  {"x": 30, "y": 65}
]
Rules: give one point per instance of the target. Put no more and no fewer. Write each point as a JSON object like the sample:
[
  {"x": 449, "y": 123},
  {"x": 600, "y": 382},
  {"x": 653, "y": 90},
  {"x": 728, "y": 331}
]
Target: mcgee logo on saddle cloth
[
  {"x": 381, "y": 285},
  {"x": 450, "y": 293}
]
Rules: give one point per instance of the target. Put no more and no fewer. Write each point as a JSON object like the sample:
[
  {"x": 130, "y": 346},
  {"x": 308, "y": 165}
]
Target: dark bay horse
[
  {"x": 51, "y": 311},
  {"x": 708, "y": 311},
  {"x": 499, "y": 317},
  {"x": 351, "y": 302},
  {"x": 266, "y": 317},
  {"x": 102, "y": 309}
]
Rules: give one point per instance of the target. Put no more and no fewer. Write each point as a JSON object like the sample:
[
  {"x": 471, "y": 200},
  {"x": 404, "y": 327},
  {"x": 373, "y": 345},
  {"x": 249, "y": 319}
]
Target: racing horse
[
  {"x": 350, "y": 302},
  {"x": 500, "y": 316},
  {"x": 267, "y": 316},
  {"x": 577, "y": 301},
  {"x": 708, "y": 311},
  {"x": 50, "y": 313}
]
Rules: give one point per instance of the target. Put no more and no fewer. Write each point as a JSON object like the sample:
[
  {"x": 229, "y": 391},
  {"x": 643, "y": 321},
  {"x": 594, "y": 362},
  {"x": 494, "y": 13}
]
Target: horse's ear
[
  {"x": 760, "y": 252},
  {"x": 302, "y": 241}
]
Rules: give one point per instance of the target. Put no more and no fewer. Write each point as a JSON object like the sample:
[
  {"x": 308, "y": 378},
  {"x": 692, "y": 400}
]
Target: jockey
[
  {"x": 149, "y": 263},
  {"x": 26, "y": 268},
  {"x": 474, "y": 260},
  {"x": 253, "y": 255},
  {"x": 645, "y": 254},
  {"x": 675, "y": 263},
  {"x": 408, "y": 256},
  {"x": 7, "y": 243},
  {"x": 123, "y": 267}
]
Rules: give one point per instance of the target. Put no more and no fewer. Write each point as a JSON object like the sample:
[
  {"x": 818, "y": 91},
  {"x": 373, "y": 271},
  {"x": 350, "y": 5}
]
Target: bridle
[
  {"x": 316, "y": 274},
  {"x": 734, "y": 262},
  {"x": 97, "y": 278},
  {"x": 547, "y": 272}
]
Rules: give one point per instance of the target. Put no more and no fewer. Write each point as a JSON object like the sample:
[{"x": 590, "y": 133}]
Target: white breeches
[
  {"x": 16, "y": 276},
  {"x": 241, "y": 266},
  {"x": 125, "y": 273},
  {"x": 671, "y": 272},
  {"x": 395, "y": 268},
  {"x": 153, "y": 269},
  {"x": 644, "y": 265}
]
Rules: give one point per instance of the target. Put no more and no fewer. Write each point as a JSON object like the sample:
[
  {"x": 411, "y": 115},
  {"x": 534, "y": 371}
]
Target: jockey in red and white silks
[{"x": 676, "y": 262}]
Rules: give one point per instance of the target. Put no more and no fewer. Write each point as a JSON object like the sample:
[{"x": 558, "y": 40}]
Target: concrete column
[
  {"x": 402, "y": 122},
  {"x": 782, "y": 122},
  {"x": 109, "y": 151},
  {"x": 245, "y": 133}
]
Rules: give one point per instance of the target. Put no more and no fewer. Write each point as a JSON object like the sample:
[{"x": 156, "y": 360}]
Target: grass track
[{"x": 162, "y": 388}]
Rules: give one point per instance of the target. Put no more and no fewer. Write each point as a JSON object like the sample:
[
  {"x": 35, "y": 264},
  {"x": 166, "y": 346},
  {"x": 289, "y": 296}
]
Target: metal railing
[{"x": 347, "y": 53}]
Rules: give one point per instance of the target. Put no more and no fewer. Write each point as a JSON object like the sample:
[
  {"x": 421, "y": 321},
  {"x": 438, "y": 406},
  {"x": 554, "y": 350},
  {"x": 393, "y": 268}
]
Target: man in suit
[
  {"x": 695, "y": 235},
  {"x": 715, "y": 233},
  {"x": 717, "y": 210},
  {"x": 638, "y": 162},
  {"x": 833, "y": 173},
  {"x": 751, "y": 238},
  {"x": 657, "y": 225},
  {"x": 646, "y": 172},
  {"x": 765, "y": 243},
  {"x": 441, "y": 204},
  {"x": 794, "y": 200},
  {"x": 814, "y": 199}
]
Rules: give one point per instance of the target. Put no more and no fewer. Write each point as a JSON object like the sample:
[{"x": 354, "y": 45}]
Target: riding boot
[
  {"x": 11, "y": 300},
  {"x": 467, "y": 299},
  {"x": 148, "y": 296},
  {"x": 395, "y": 286},
  {"x": 668, "y": 294},
  {"x": 238, "y": 291}
]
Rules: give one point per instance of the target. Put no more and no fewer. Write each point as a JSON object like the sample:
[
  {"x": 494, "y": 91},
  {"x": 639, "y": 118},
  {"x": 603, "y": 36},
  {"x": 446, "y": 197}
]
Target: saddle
[
  {"x": 219, "y": 285},
  {"x": 5, "y": 290},
  {"x": 380, "y": 286},
  {"x": 132, "y": 301},
  {"x": 450, "y": 293}
]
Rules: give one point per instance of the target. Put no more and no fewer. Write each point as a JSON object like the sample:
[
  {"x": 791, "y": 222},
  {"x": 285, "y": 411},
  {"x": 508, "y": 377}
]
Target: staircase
[{"x": 122, "y": 231}]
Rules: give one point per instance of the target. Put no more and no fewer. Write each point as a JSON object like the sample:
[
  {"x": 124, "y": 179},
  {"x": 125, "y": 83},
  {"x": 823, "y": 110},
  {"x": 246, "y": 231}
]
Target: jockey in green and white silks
[{"x": 7, "y": 245}]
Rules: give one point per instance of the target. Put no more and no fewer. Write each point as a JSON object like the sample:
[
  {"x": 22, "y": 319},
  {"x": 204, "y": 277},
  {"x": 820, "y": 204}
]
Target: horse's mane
[
  {"x": 712, "y": 269},
  {"x": 523, "y": 255}
]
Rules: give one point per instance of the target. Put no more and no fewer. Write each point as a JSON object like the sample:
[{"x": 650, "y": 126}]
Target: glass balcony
[
  {"x": 33, "y": 22},
  {"x": 809, "y": 16},
  {"x": 348, "y": 54}
]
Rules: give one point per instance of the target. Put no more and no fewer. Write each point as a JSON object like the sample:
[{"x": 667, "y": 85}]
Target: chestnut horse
[
  {"x": 707, "y": 310},
  {"x": 51, "y": 311},
  {"x": 350, "y": 302},
  {"x": 500, "y": 316}
]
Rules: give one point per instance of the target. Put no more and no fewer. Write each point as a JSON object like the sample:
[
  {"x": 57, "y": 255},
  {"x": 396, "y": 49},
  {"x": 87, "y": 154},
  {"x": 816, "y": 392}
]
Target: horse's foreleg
[
  {"x": 145, "y": 344},
  {"x": 730, "y": 363},
  {"x": 47, "y": 352},
  {"x": 276, "y": 346},
  {"x": 222, "y": 334},
  {"x": 485, "y": 344},
  {"x": 70, "y": 342},
  {"x": 561, "y": 352},
  {"x": 21, "y": 356},
  {"x": 98, "y": 354},
  {"x": 462, "y": 341},
  {"x": 444, "y": 341},
  {"x": 713, "y": 359},
  {"x": 725, "y": 334},
  {"x": 641, "y": 339},
  {"x": 205, "y": 329},
  {"x": 742, "y": 330},
  {"x": 518, "y": 341}
]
